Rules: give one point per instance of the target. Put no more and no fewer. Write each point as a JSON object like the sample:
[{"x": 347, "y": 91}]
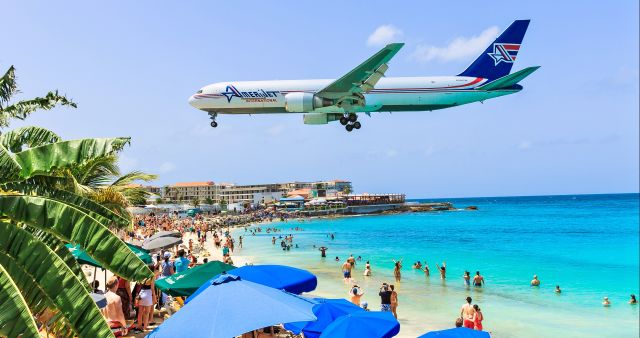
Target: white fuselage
[{"x": 390, "y": 94}]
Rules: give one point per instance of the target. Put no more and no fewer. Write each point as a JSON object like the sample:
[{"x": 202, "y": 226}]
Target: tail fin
[{"x": 496, "y": 61}]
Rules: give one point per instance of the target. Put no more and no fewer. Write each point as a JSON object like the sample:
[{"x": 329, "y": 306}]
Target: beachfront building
[{"x": 253, "y": 194}]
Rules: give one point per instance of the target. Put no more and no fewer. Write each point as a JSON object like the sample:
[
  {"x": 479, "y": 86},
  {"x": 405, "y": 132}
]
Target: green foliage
[
  {"x": 195, "y": 202},
  {"x": 208, "y": 201},
  {"x": 14, "y": 310}
]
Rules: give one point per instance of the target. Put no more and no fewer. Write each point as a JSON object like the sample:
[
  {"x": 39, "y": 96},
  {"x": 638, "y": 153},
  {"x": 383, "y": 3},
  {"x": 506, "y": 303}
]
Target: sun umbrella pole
[{"x": 95, "y": 271}]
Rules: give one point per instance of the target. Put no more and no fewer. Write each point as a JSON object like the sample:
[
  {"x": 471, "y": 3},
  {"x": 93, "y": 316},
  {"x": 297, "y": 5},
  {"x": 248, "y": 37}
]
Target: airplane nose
[{"x": 192, "y": 100}]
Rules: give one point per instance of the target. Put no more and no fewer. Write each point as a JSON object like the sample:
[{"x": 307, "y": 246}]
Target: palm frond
[
  {"x": 21, "y": 109},
  {"x": 133, "y": 176},
  {"x": 8, "y": 86}
]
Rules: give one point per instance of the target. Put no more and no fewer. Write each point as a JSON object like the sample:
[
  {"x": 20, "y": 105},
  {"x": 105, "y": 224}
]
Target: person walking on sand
[
  {"x": 478, "y": 280},
  {"x": 394, "y": 301},
  {"x": 346, "y": 271},
  {"x": 477, "y": 318},
  {"x": 466, "y": 313},
  {"x": 397, "y": 265},
  {"x": 443, "y": 270}
]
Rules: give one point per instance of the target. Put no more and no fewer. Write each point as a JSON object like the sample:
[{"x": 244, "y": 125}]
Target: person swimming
[
  {"x": 558, "y": 289},
  {"x": 606, "y": 302},
  {"x": 633, "y": 300}
]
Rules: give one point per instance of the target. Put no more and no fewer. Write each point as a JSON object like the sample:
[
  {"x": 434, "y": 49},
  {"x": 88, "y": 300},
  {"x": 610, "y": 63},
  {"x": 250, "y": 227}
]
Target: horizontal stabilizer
[{"x": 509, "y": 80}]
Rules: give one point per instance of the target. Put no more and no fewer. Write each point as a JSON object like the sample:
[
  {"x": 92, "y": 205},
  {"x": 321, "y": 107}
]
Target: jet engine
[{"x": 301, "y": 102}]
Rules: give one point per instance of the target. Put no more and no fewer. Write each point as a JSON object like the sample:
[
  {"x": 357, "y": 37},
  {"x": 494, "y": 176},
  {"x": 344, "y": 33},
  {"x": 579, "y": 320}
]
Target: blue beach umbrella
[
  {"x": 279, "y": 277},
  {"x": 230, "y": 307},
  {"x": 370, "y": 324},
  {"x": 458, "y": 332},
  {"x": 327, "y": 310}
]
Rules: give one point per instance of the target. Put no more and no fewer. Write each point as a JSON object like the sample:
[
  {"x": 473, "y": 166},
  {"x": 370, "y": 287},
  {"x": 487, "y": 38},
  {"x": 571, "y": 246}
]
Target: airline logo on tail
[{"x": 504, "y": 52}]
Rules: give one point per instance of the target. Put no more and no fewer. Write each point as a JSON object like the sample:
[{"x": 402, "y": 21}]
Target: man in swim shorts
[
  {"x": 466, "y": 313},
  {"x": 346, "y": 271}
]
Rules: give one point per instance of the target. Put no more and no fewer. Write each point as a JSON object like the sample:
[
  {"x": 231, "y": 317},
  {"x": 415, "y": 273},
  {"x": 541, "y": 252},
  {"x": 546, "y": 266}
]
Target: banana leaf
[
  {"x": 72, "y": 225},
  {"x": 44, "y": 159},
  {"x": 95, "y": 210},
  {"x": 15, "y": 316},
  {"x": 30, "y": 136},
  {"x": 9, "y": 168},
  {"x": 56, "y": 279}
]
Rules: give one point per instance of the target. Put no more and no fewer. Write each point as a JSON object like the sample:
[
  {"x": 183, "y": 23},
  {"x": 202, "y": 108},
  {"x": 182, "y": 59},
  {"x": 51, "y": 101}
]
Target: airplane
[{"x": 365, "y": 89}]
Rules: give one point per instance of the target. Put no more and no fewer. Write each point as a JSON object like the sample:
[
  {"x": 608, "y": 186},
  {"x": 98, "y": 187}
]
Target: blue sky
[{"x": 131, "y": 66}]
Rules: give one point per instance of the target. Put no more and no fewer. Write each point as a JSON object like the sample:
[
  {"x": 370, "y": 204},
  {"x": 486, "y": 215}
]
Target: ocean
[{"x": 586, "y": 244}]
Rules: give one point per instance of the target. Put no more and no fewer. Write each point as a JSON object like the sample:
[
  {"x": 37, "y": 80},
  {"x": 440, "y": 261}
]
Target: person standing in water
[
  {"x": 346, "y": 271},
  {"x": 535, "y": 281},
  {"x": 478, "y": 280},
  {"x": 396, "y": 269},
  {"x": 633, "y": 300},
  {"x": 606, "y": 302},
  {"x": 394, "y": 301},
  {"x": 367, "y": 269},
  {"x": 352, "y": 261},
  {"x": 558, "y": 289},
  {"x": 426, "y": 270},
  {"x": 467, "y": 278},
  {"x": 323, "y": 252},
  {"x": 443, "y": 270}
]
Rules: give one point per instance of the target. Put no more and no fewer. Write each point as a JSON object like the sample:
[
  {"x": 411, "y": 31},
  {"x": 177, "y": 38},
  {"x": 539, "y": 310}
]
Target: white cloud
[
  {"x": 460, "y": 48},
  {"x": 383, "y": 35},
  {"x": 167, "y": 167}
]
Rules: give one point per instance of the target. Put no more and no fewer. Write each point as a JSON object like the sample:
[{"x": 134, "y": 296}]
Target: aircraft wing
[{"x": 362, "y": 78}]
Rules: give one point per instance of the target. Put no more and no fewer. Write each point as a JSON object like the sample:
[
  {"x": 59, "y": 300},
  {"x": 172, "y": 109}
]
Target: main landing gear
[
  {"x": 213, "y": 116},
  {"x": 350, "y": 122}
]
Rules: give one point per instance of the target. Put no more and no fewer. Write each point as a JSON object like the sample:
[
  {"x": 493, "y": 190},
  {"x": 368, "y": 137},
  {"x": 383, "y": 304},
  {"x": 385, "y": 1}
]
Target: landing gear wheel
[
  {"x": 357, "y": 125},
  {"x": 353, "y": 117},
  {"x": 344, "y": 121},
  {"x": 349, "y": 127},
  {"x": 214, "y": 124}
]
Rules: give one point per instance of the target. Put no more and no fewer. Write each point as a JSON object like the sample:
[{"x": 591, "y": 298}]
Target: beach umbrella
[
  {"x": 327, "y": 311},
  {"x": 230, "y": 307},
  {"x": 280, "y": 277},
  {"x": 161, "y": 243},
  {"x": 371, "y": 324},
  {"x": 187, "y": 282},
  {"x": 83, "y": 258},
  {"x": 100, "y": 300},
  {"x": 458, "y": 332},
  {"x": 159, "y": 234}
]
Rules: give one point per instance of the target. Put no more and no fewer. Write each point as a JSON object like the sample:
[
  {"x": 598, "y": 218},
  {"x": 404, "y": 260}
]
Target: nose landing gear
[{"x": 213, "y": 116}]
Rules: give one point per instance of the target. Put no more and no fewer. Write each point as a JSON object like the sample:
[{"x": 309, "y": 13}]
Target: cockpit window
[{"x": 199, "y": 91}]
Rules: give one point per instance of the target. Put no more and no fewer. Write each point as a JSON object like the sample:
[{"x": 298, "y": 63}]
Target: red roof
[{"x": 192, "y": 184}]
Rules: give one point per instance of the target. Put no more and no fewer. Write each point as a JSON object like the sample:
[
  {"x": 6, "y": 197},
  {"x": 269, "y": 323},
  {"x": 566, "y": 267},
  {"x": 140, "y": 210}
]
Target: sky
[{"x": 131, "y": 67}]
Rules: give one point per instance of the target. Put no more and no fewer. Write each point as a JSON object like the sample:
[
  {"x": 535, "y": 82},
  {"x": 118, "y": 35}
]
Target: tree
[
  {"x": 195, "y": 202},
  {"x": 223, "y": 204},
  {"x": 346, "y": 190},
  {"x": 159, "y": 200},
  {"x": 38, "y": 216},
  {"x": 21, "y": 109},
  {"x": 208, "y": 201}
]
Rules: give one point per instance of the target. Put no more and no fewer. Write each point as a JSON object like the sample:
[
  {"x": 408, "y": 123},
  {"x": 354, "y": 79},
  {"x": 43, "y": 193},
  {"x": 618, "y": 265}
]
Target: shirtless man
[
  {"x": 466, "y": 313},
  {"x": 352, "y": 261},
  {"x": 535, "y": 281},
  {"x": 323, "y": 251},
  {"x": 346, "y": 271},
  {"x": 478, "y": 280}
]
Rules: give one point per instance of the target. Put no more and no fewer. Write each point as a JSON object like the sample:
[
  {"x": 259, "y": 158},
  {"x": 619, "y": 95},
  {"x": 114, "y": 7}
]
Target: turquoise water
[{"x": 587, "y": 244}]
